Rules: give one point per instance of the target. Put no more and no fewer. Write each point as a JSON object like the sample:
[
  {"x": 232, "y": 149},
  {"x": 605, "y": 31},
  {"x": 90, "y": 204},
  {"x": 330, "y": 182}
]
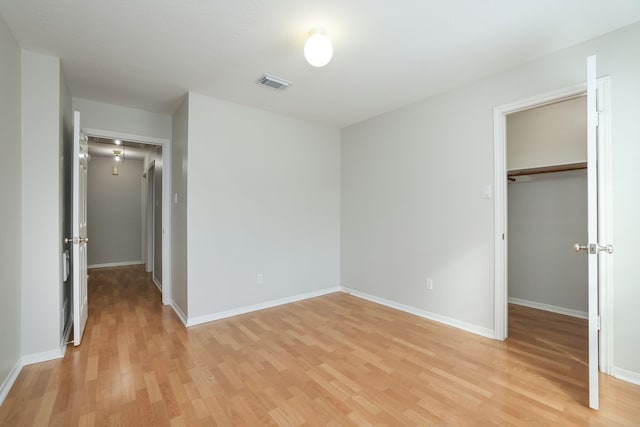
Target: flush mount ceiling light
[
  {"x": 318, "y": 49},
  {"x": 117, "y": 141}
]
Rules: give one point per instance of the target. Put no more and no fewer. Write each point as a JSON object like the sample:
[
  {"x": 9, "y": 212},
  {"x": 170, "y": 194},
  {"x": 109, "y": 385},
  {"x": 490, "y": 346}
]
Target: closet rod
[{"x": 547, "y": 169}]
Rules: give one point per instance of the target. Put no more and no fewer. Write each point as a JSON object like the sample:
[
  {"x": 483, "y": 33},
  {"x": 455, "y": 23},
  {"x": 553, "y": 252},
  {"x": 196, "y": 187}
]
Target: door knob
[
  {"x": 605, "y": 248},
  {"x": 593, "y": 249},
  {"x": 578, "y": 247},
  {"x": 76, "y": 240}
]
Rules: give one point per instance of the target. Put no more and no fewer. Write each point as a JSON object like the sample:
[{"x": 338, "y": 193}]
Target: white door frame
[
  {"x": 166, "y": 197},
  {"x": 150, "y": 217},
  {"x": 604, "y": 208}
]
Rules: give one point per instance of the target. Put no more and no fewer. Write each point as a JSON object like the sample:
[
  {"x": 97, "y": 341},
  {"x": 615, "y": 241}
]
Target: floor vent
[{"x": 273, "y": 82}]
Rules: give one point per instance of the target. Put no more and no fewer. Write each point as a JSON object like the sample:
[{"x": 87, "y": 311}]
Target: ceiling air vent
[{"x": 273, "y": 82}]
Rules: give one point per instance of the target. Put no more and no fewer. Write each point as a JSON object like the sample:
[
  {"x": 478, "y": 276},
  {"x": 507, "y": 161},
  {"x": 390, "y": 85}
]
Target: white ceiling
[{"x": 148, "y": 53}]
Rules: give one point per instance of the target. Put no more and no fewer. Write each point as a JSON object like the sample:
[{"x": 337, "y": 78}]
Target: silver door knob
[
  {"x": 605, "y": 248},
  {"x": 76, "y": 240},
  {"x": 578, "y": 247}
]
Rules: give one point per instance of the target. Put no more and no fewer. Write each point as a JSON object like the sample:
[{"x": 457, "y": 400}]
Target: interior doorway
[
  {"x": 599, "y": 174},
  {"x": 144, "y": 153},
  {"x": 547, "y": 207}
]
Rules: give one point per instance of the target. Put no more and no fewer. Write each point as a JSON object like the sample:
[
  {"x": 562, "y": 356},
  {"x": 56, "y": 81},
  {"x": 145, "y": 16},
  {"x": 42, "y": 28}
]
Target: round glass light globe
[{"x": 318, "y": 50}]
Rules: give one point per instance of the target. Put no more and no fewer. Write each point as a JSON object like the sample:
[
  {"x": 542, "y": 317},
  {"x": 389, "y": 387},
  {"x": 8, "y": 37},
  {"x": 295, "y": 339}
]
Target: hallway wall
[{"x": 114, "y": 212}]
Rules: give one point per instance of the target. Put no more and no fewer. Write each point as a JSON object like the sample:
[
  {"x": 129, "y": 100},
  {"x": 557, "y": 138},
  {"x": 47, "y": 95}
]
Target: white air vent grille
[{"x": 273, "y": 82}]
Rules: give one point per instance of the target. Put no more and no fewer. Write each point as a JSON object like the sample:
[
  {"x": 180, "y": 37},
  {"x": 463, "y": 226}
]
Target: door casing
[
  {"x": 604, "y": 209},
  {"x": 166, "y": 197}
]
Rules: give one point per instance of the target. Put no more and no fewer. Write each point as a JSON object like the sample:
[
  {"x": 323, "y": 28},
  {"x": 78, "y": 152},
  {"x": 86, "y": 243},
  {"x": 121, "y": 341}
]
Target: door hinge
[
  {"x": 502, "y": 236},
  {"x": 597, "y": 118},
  {"x": 598, "y": 322}
]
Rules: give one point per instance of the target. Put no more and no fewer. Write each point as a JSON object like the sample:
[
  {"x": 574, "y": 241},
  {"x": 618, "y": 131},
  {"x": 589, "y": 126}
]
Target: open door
[
  {"x": 593, "y": 247},
  {"x": 79, "y": 227}
]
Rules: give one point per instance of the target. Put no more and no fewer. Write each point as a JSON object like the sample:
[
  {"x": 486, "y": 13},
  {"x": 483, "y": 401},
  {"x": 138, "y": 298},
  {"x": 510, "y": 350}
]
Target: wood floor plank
[{"x": 334, "y": 360}]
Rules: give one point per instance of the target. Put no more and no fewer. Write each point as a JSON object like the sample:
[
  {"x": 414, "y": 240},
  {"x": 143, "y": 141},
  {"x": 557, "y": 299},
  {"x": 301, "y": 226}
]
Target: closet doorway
[{"x": 547, "y": 207}]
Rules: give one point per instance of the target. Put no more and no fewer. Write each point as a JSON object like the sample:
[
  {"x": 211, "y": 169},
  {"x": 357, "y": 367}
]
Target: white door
[
  {"x": 593, "y": 246},
  {"x": 79, "y": 226}
]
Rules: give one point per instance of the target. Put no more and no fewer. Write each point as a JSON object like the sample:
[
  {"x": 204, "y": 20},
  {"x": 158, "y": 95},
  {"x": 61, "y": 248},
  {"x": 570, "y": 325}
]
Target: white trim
[
  {"x": 115, "y": 264},
  {"x": 149, "y": 212},
  {"x": 25, "y": 360},
  {"x": 260, "y": 306},
  {"x": 548, "y": 307},
  {"x": 179, "y": 313},
  {"x": 166, "y": 197},
  {"x": 8, "y": 382},
  {"x": 65, "y": 335},
  {"x": 468, "y": 327},
  {"x": 155, "y": 282},
  {"x": 625, "y": 375},
  {"x": 98, "y": 133},
  {"x": 44, "y": 356}
]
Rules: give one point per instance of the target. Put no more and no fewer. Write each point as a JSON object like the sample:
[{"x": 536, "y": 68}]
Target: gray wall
[
  {"x": 546, "y": 217},
  {"x": 553, "y": 134},
  {"x": 263, "y": 198},
  {"x": 114, "y": 212},
  {"x": 41, "y": 199},
  {"x": 179, "y": 168},
  {"x": 10, "y": 208},
  {"x": 412, "y": 204}
]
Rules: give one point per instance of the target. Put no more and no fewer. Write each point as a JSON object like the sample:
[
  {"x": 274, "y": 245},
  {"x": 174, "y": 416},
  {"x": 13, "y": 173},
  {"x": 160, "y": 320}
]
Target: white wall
[
  {"x": 554, "y": 134},
  {"x": 179, "y": 169},
  {"x": 546, "y": 217},
  {"x": 114, "y": 211},
  {"x": 412, "y": 182},
  {"x": 41, "y": 232},
  {"x": 10, "y": 208},
  {"x": 263, "y": 198},
  {"x": 115, "y": 118}
]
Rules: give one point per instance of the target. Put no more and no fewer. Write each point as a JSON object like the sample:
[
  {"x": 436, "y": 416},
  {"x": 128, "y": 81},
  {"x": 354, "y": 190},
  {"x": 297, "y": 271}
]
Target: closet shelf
[{"x": 547, "y": 169}]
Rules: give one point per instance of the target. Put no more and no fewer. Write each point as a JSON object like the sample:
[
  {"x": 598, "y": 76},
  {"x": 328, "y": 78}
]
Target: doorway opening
[
  {"x": 604, "y": 208},
  {"x": 547, "y": 207},
  {"x": 129, "y": 214}
]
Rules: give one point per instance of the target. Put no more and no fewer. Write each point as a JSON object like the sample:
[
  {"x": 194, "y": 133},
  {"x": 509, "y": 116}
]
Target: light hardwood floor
[{"x": 333, "y": 360}]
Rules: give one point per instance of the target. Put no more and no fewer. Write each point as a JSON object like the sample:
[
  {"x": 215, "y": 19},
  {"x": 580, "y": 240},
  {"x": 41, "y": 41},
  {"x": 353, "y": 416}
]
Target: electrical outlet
[
  {"x": 429, "y": 284},
  {"x": 259, "y": 279}
]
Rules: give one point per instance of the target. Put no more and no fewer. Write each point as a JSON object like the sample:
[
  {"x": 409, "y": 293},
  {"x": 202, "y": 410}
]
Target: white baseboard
[
  {"x": 625, "y": 375},
  {"x": 44, "y": 356},
  {"x": 158, "y": 284},
  {"x": 179, "y": 313},
  {"x": 551, "y": 308},
  {"x": 8, "y": 382},
  {"x": 25, "y": 360},
  {"x": 115, "y": 264},
  {"x": 260, "y": 306},
  {"x": 478, "y": 330}
]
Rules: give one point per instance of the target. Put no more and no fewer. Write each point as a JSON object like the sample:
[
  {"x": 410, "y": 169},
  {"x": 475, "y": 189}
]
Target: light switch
[{"x": 486, "y": 191}]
